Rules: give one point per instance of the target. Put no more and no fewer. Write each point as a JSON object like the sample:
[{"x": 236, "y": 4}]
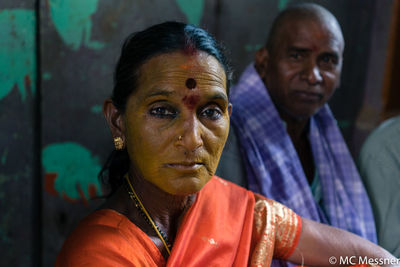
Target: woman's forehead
[{"x": 190, "y": 70}]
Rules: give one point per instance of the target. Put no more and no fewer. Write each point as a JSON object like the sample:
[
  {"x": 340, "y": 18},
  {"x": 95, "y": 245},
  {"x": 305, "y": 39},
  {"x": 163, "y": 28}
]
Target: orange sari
[{"x": 226, "y": 226}]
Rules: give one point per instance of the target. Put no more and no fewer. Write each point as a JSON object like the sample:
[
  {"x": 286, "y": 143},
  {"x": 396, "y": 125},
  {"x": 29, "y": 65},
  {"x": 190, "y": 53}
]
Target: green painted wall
[
  {"x": 73, "y": 22},
  {"x": 193, "y": 10},
  {"x": 75, "y": 167},
  {"x": 17, "y": 52}
]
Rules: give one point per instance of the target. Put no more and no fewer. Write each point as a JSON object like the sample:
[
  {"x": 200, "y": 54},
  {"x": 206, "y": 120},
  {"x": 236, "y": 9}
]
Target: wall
[
  {"x": 57, "y": 59},
  {"x": 19, "y": 178},
  {"x": 370, "y": 113}
]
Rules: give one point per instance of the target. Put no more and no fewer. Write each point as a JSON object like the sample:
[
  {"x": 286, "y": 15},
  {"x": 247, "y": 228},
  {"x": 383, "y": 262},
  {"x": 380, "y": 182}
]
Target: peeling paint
[
  {"x": 252, "y": 48},
  {"x": 17, "y": 51},
  {"x": 72, "y": 169},
  {"x": 4, "y": 156},
  {"x": 193, "y": 10},
  {"x": 73, "y": 22},
  {"x": 96, "y": 109},
  {"x": 343, "y": 124},
  {"x": 49, "y": 180},
  {"x": 47, "y": 76},
  {"x": 282, "y": 4}
]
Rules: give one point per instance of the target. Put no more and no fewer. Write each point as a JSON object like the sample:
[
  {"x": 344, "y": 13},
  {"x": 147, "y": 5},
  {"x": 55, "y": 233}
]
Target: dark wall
[
  {"x": 57, "y": 59},
  {"x": 18, "y": 154}
]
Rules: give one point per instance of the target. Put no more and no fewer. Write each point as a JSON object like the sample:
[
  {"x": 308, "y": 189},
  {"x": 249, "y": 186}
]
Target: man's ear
[
  {"x": 114, "y": 119},
  {"x": 261, "y": 64},
  {"x": 230, "y": 109}
]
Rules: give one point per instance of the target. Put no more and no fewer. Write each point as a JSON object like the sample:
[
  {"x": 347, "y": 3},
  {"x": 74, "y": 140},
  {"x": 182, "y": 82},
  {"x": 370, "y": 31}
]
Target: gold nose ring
[{"x": 180, "y": 138}]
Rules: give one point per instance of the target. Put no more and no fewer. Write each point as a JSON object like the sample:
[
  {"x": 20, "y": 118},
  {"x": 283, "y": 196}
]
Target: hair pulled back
[{"x": 139, "y": 47}]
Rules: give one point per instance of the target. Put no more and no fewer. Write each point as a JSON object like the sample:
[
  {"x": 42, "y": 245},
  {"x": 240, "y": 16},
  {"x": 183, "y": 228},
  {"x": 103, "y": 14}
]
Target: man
[
  {"x": 292, "y": 148},
  {"x": 379, "y": 164}
]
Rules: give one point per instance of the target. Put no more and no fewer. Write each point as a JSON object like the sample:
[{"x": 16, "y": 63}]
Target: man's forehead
[{"x": 302, "y": 31}]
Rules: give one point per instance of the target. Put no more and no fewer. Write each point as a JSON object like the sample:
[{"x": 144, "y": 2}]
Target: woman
[{"x": 169, "y": 117}]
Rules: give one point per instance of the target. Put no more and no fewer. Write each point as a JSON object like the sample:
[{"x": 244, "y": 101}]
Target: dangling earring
[{"x": 118, "y": 143}]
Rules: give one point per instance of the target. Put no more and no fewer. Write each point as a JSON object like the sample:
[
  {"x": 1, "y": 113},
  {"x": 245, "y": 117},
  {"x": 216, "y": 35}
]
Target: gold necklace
[{"x": 146, "y": 215}]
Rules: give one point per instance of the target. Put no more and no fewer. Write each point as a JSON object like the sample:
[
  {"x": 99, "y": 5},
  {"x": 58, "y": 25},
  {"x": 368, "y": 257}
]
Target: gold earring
[{"x": 118, "y": 143}]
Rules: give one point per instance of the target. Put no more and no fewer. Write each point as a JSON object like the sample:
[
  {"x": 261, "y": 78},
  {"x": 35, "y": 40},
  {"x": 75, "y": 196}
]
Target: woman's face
[{"x": 177, "y": 121}]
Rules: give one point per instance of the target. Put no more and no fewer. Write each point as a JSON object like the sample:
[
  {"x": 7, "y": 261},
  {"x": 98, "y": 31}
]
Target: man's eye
[
  {"x": 163, "y": 112},
  {"x": 328, "y": 60},
  {"x": 295, "y": 55},
  {"x": 211, "y": 113}
]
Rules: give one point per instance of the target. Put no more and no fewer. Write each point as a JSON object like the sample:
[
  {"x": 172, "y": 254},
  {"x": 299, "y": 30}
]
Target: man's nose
[{"x": 311, "y": 73}]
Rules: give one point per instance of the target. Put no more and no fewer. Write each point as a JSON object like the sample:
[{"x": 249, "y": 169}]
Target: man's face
[{"x": 303, "y": 70}]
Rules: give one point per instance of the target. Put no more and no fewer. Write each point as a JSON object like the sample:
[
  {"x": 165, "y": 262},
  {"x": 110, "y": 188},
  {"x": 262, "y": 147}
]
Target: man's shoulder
[{"x": 383, "y": 138}]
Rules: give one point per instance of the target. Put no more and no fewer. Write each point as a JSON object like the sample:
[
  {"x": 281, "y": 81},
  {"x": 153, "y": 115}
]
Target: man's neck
[
  {"x": 296, "y": 127},
  {"x": 298, "y": 133}
]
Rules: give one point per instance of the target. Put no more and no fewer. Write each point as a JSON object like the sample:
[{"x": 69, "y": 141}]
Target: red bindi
[
  {"x": 191, "y": 101},
  {"x": 190, "y": 83}
]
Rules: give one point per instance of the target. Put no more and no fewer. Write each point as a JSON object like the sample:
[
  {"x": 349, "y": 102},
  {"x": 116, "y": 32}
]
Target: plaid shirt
[{"x": 274, "y": 169}]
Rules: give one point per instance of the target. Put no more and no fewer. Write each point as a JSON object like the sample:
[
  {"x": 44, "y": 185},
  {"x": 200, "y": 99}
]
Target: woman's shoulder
[
  {"x": 97, "y": 225},
  {"x": 105, "y": 238},
  {"x": 97, "y": 233},
  {"x": 223, "y": 191},
  {"x": 103, "y": 223},
  {"x": 220, "y": 184}
]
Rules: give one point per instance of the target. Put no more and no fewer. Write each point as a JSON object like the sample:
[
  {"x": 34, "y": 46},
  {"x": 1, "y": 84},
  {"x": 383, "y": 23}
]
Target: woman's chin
[{"x": 186, "y": 186}]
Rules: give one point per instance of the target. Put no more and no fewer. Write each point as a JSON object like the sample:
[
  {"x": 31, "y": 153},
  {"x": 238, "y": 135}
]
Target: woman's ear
[
  {"x": 114, "y": 119},
  {"x": 230, "y": 109},
  {"x": 261, "y": 62}
]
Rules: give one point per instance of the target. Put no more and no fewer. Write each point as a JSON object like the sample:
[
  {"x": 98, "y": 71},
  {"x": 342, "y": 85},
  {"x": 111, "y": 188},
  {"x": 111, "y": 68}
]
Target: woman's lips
[{"x": 185, "y": 166}]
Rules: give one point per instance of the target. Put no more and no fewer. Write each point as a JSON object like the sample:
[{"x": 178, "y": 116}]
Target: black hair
[{"x": 139, "y": 47}]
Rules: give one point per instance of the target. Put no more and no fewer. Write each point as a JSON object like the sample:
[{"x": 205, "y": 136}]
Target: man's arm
[{"x": 323, "y": 245}]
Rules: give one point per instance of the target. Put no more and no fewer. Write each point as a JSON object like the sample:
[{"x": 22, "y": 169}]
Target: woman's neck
[
  {"x": 164, "y": 208},
  {"x": 166, "y": 211}
]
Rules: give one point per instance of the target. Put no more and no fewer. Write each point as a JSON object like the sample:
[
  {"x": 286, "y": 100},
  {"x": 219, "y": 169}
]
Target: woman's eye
[
  {"x": 212, "y": 113},
  {"x": 163, "y": 112}
]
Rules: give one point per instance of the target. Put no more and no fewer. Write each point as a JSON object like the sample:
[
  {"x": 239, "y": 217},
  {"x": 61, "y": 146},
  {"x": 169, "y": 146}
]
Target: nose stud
[{"x": 180, "y": 138}]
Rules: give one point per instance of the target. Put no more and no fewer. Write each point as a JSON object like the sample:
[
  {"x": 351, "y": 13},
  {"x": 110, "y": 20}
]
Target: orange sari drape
[{"x": 226, "y": 226}]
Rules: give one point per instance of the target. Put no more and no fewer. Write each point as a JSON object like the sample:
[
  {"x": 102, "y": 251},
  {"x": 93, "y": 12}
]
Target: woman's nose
[{"x": 191, "y": 137}]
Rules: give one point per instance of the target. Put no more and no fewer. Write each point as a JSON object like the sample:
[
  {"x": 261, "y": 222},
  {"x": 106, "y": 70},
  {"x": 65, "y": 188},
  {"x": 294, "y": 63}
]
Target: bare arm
[{"x": 319, "y": 243}]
